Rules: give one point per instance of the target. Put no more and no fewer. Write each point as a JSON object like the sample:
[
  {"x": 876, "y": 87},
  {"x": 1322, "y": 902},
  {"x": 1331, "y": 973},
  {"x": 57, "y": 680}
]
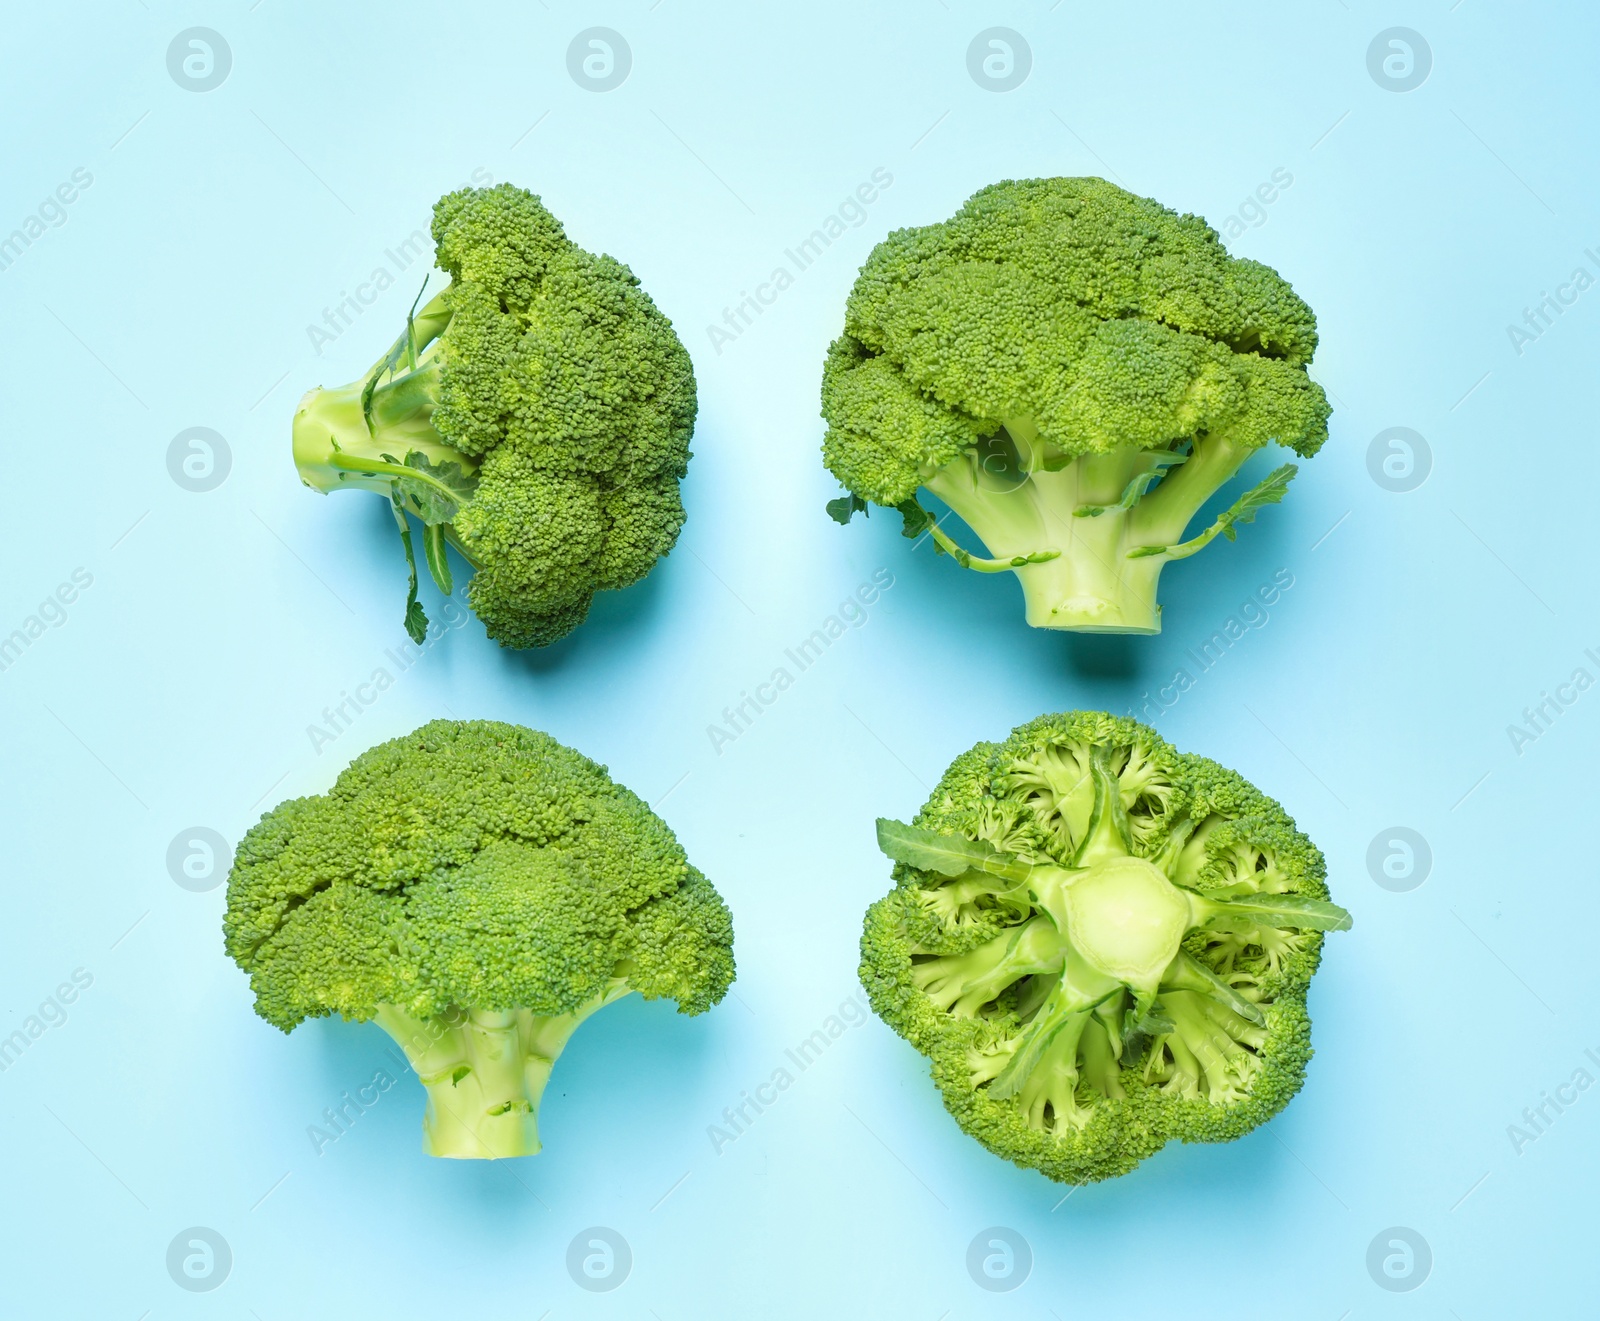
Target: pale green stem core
[
  {"x": 1127, "y": 920},
  {"x": 333, "y": 450},
  {"x": 1078, "y": 570},
  {"x": 357, "y": 436},
  {"x": 401, "y": 408},
  {"x": 485, "y": 1071}
]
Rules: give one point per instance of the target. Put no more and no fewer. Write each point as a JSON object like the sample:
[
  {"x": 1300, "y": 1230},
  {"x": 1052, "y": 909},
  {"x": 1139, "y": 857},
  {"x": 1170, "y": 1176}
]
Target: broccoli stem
[
  {"x": 956, "y": 903},
  {"x": 1052, "y": 1078},
  {"x": 1071, "y": 1001},
  {"x": 485, "y": 1071},
  {"x": 1089, "y": 584},
  {"x": 1099, "y": 1055},
  {"x": 1087, "y": 537},
  {"x": 334, "y": 450},
  {"x": 358, "y": 435},
  {"x": 1163, "y": 514},
  {"x": 1187, "y": 973},
  {"x": 963, "y": 983},
  {"x": 1208, "y": 1045}
]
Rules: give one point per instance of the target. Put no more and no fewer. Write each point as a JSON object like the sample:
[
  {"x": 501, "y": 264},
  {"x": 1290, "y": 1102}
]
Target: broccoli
[
  {"x": 1075, "y": 371},
  {"x": 535, "y": 415},
  {"x": 477, "y": 890},
  {"x": 1101, "y": 944}
]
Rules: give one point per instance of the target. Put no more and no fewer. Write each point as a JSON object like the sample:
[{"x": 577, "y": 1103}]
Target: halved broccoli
[
  {"x": 478, "y": 890},
  {"x": 1101, "y": 944},
  {"x": 535, "y": 415},
  {"x": 1075, "y": 371}
]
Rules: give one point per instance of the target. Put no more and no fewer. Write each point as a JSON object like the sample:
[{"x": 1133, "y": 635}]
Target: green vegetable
[
  {"x": 535, "y": 414},
  {"x": 478, "y": 890},
  {"x": 1101, "y": 944},
  {"x": 1074, "y": 371}
]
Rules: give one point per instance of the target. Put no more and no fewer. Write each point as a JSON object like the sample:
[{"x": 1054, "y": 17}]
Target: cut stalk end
[{"x": 1066, "y": 594}]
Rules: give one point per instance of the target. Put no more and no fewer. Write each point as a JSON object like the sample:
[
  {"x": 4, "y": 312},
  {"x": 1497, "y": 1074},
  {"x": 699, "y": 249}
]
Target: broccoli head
[
  {"x": 535, "y": 415},
  {"x": 477, "y": 890},
  {"x": 1101, "y": 944},
  {"x": 1075, "y": 371}
]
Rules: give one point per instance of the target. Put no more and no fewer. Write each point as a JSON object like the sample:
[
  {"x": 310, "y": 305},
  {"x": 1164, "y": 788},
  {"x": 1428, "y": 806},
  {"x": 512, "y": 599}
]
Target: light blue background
[{"x": 179, "y": 690}]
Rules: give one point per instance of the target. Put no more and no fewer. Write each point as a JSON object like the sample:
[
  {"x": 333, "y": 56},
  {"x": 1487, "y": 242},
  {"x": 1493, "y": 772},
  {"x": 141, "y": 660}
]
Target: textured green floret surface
[
  {"x": 1074, "y": 370},
  {"x": 1105, "y": 318},
  {"x": 1021, "y": 978},
  {"x": 478, "y": 889},
  {"x": 564, "y": 378}
]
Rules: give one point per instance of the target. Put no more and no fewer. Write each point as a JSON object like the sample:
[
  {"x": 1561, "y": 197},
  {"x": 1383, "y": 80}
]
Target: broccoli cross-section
[
  {"x": 535, "y": 415},
  {"x": 1075, "y": 371},
  {"x": 1101, "y": 944},
  {"x": 477, "y": 890}
]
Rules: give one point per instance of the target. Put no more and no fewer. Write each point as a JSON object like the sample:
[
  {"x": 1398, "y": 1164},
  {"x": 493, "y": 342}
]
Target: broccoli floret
[
  {"x": 1075, "y": 371},
  {"x": 477, "y": 890},
  {"x": 535, "y": 415},
  {"x": 1147, "y": 924}
]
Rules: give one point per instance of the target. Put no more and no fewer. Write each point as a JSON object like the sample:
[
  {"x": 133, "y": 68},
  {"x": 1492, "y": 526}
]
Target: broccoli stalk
[
  {"x": 1139, "y": 963},
  {"x": 376, "y": 434},
  {"x": 963, "y": 983},
  {"x": 1088, "y": 536},
  {"x": 357, "y": 435},
  {"x": 485, "y": 1071},
  {"x": 1075, "y": 371}
]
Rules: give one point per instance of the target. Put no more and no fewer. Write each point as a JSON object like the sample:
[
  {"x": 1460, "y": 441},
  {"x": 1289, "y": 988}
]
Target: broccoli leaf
[
  {"x": 1136, "y": 488},
  {"x": 405, "y": 346},
  {"x": 411, "y": 328},
  {"x": 1290, "y": 911},
  {"x": 438, "y": 495},
  {"x": 1188, "y": 973},
  {"x": 917, "y": 519},
  {"x": 1062, "y": 1015},
  {"x": 947, "y": 545},
  {"x": 1267, "y": 492},
  {"x": 949, "y": 855},
  {"x": 416, "y": 618},
  {"x": 847, "y": 507},
  {"x": 433, "y": 550}
]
